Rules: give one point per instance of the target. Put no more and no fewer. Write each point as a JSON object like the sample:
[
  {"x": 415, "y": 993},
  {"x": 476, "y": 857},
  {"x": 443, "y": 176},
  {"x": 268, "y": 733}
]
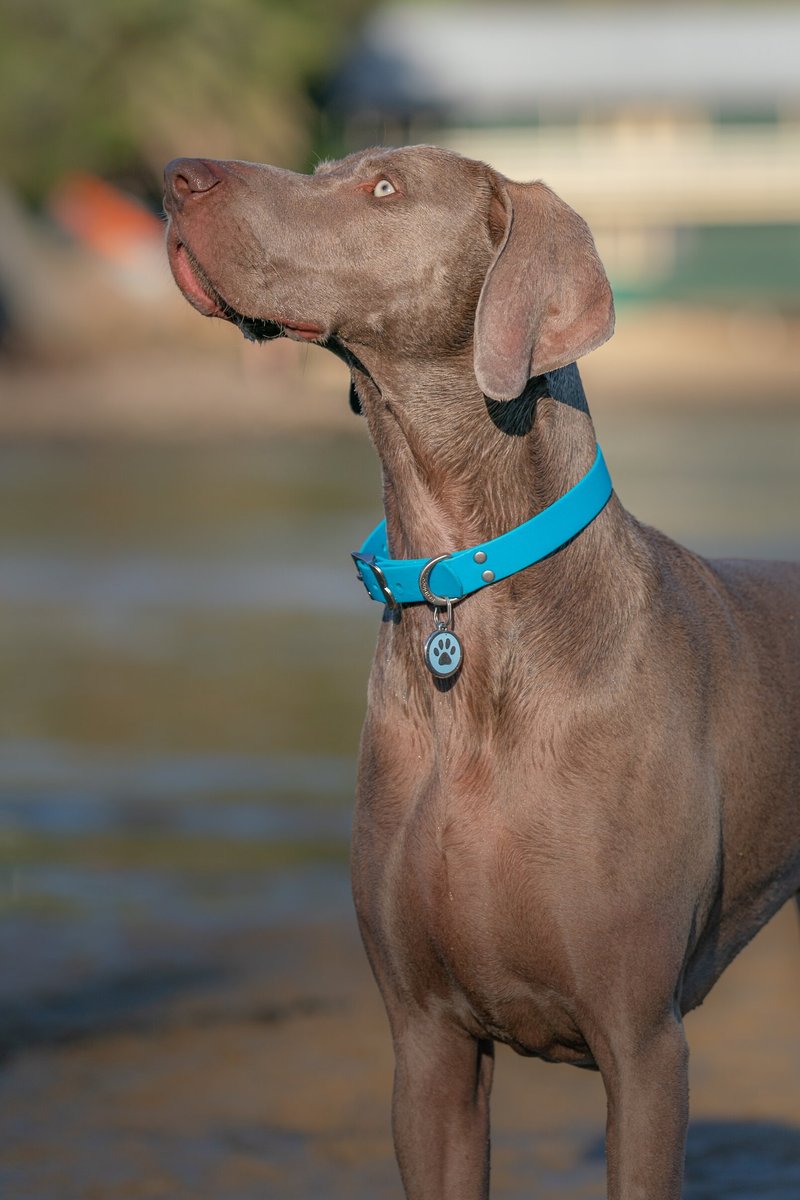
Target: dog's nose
[{"x": 185, "y": 177}]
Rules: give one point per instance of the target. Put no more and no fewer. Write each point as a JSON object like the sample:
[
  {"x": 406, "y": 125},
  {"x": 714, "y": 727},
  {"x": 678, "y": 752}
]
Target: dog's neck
[{"x": 459, "y": 469}]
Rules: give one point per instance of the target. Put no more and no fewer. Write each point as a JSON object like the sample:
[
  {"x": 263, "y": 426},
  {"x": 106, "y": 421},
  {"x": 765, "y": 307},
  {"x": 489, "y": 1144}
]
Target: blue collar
[{"x": 396, "y": 581}]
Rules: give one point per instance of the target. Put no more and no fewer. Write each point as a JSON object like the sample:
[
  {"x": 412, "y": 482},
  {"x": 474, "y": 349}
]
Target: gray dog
[{"x": 575, "y": 808}]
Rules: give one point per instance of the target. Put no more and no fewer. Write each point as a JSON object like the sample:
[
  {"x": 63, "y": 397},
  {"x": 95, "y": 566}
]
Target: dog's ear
[{"x": 546, "y": 299}]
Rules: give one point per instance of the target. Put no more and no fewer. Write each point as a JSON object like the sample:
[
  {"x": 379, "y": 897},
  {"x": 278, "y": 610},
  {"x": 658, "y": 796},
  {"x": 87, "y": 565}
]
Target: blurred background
[{"x": 185, "y": 1010}]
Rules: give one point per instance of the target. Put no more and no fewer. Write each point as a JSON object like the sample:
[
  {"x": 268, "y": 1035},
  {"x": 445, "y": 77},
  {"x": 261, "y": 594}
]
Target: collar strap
[{"x": 396, "y": 581}]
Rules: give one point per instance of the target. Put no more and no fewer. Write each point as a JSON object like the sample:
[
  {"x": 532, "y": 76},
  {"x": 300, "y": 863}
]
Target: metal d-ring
[{"x": 437, "y": 601}]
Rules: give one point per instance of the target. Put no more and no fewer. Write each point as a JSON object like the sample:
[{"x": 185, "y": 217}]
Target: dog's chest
[{"x": 461, "y": 911}]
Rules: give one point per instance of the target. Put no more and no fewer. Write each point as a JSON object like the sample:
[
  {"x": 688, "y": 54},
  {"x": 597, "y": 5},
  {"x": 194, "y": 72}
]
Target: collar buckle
[{"x": 369, "y": 560}]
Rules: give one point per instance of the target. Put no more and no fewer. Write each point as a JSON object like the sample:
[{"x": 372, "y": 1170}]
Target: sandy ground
[{"x": 265, "y": 1071}]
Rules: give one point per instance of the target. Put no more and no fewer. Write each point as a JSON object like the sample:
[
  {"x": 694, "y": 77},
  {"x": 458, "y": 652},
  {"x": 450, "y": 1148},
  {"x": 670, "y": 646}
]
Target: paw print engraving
[{"x": 443, "y": 653}]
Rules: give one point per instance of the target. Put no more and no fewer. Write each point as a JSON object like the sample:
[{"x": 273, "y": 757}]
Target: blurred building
[{"x": 675, "y": 130}]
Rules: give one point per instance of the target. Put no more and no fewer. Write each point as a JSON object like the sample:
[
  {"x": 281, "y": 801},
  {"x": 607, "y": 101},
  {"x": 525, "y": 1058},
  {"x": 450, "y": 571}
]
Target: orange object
[{"x": 101, "y": 216}]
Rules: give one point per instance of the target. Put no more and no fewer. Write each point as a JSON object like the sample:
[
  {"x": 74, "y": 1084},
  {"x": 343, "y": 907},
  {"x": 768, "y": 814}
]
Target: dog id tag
[{"x": 443, "y": 652}]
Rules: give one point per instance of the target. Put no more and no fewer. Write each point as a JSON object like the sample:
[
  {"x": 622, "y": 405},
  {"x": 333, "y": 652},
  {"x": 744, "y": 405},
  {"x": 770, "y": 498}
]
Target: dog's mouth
[{"x": 202, "y": 295}]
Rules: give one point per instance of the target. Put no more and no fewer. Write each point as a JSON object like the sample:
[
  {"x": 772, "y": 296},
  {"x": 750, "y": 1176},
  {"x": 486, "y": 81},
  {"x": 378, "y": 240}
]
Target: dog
[{"x": 579, "y": 776}]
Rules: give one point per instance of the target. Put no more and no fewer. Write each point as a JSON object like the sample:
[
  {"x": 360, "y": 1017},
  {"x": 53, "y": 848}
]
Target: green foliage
[{"x": 120, "y": 86}]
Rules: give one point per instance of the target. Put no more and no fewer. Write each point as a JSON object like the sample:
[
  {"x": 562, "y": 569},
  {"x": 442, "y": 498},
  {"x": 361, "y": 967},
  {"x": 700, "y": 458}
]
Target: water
[
  {"x": 183, "y": 654},
  {"x": 183, "y": 648}
]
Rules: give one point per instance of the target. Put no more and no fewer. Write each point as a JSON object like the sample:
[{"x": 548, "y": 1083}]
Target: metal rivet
[
  {"x": 487, "y": 576},
  {"x": 479, "y": 556}
]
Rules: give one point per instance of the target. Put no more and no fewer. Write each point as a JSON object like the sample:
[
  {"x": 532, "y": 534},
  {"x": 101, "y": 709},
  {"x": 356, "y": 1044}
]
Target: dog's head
[{"x": 417, "y": 252}]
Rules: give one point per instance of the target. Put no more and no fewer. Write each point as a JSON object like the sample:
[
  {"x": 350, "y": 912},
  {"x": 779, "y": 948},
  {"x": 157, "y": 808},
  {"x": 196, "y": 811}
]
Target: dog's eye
[{"x": 383, "y": 188}]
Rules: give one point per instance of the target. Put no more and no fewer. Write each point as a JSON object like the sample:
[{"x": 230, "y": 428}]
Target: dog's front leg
[
  {"x": 440, "y": 1110},
  {"x": 646, "y": 1082}
]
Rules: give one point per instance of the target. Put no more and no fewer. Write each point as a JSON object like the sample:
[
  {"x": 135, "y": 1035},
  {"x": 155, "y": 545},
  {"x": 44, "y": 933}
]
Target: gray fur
[{"x": 562, "y": 847}]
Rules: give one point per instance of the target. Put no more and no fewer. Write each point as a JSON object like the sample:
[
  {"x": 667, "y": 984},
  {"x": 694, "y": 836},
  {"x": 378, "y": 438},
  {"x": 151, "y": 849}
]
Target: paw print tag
[{"x": 443, "y": 653}]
